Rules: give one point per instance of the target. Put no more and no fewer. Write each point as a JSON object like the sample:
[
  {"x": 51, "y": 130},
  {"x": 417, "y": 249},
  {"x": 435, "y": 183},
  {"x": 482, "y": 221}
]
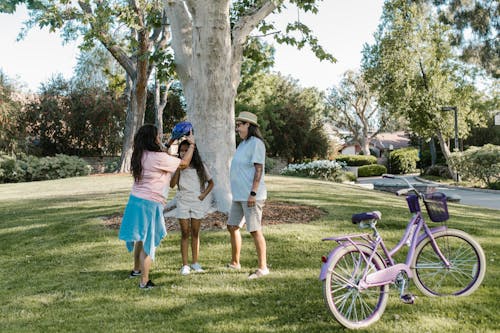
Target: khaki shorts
[{"x": 240, "y": 214}]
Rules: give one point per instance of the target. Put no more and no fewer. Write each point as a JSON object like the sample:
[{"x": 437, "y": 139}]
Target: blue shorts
[{"x": 143, "y": 221}]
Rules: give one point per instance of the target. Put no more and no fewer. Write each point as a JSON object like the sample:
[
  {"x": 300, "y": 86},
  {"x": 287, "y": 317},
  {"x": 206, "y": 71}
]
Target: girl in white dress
[{"x": 194, "y": 184}]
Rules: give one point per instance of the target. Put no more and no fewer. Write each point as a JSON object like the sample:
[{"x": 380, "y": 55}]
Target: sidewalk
[{"x": 468, "y": 196}]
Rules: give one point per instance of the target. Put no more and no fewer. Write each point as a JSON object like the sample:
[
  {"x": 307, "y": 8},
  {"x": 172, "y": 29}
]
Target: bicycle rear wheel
[
  {"x": 351, "y": 307},
  {"x": 468, "y": 265}
]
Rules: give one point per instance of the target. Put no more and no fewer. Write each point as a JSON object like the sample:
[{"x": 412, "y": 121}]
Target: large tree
[
  {"x": 208, "y": 38},
  {"x": 353, "y": 106},
  {"x": 416, "y": 74}
]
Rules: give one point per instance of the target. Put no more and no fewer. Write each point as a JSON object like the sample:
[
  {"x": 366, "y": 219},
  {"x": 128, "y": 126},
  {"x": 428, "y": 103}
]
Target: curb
[{"x": 458, "y": 187}]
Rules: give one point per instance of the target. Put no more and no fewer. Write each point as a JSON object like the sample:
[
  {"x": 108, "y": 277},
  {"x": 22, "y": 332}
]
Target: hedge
[
  {"x": 371, "y": 170},
  {"x": 356, "y": 160},
  {"x": 403, "y": 160},
  {"x": 27, "y": 168}
]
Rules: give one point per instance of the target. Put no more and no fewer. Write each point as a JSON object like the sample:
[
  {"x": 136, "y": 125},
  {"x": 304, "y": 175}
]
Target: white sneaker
[
  {"x": 185, "y": 270},
  {"x": 258, "y": 274},
  {"x": 197, "y": 268}
]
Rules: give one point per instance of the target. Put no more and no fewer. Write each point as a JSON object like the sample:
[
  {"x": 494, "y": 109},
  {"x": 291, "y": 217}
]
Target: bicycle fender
[{"x": 324, "y": 267}]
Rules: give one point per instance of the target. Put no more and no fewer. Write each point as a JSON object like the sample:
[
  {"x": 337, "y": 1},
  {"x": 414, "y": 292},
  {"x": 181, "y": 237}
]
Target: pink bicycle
[{"x": 357, "y": 273}]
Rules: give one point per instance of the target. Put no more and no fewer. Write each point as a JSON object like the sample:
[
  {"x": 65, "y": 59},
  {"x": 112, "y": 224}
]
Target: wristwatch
[{"x": 253, "y": 194}]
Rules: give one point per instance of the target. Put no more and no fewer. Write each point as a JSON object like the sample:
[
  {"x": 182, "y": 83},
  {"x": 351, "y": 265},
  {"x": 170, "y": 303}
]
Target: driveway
[{"x": 469, "y": 197}]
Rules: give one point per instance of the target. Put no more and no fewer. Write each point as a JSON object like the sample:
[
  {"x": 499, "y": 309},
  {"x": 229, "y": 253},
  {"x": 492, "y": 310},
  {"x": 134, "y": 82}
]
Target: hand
[
  {"x": 190, "y": 138},
  {"x": 251, "y": 201},
  {"x": 201, "y": 197}
]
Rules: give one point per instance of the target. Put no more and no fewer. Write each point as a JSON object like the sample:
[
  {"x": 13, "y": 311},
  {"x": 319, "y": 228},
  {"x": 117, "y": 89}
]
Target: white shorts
[
  {"x": 240, "y": 214},
  {"x": 191, "y": 209}
]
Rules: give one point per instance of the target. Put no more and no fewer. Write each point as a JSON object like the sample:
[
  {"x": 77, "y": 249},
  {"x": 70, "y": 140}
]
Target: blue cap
[{"x": 181, "y": 129}]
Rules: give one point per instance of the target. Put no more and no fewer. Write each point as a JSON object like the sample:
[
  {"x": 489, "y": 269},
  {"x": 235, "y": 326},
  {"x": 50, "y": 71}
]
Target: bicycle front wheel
[
  {"x": 467, "y": 259},
  {"x": 352, "y": 307}
]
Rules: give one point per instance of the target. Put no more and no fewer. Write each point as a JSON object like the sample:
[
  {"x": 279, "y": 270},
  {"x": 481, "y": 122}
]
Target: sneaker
[
  {"x": 258, "y": 274},
  {"x": 134, "y": 274},
  {"x": 148, "y": 285},
  {"x": 185, "y": 270},
  {"x": 197, "y": 268},
  {"x": 235, "y": 267}
]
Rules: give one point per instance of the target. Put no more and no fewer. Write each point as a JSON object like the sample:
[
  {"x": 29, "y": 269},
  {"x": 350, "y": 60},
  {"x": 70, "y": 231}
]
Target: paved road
[{"x": 479, "y": 198}]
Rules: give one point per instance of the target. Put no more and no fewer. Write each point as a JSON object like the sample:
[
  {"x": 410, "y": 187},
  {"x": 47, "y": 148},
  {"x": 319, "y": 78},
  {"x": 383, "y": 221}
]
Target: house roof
[{"x": 399, "y": 139}]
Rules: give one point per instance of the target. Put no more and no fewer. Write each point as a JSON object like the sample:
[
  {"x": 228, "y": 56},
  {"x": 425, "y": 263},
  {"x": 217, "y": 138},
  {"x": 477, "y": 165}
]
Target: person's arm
[
  {"x": 175, "y": 178},
  {"x": 259, "y": 170},
  {"x": 209, "y": 188},
  {"x": 186, "y": 160}
]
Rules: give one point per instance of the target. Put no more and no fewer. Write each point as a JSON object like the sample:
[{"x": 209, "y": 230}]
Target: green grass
[{"x": 63, "y": 271}]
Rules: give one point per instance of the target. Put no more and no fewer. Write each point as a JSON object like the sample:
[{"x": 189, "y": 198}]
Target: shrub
[
  {"x": 323, "y": 169},
  {"x": 438, "y": 171},
  {"x": 371, "y": 170},
  {"x": 356, "y": 160},
  {"x": 478, "y": 163},
  {"x": 403, "y": 160},
  {"x": 31, "y": 168}
]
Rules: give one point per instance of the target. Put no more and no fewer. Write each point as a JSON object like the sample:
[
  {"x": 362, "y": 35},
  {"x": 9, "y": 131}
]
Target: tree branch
[
  {"x": 242, "y": 29},
  {"x": 181, "y": 24},
  {"x": 106, "y": 40}
]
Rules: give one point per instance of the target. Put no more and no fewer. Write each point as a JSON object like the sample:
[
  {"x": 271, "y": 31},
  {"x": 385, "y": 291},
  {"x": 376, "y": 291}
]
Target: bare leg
[
  {"x": 260, "y": 246},
  {"x": 185, "y": 231},
  {"x": 234, "y": 231},
  {"x": 195, "y": 239},
  {"x": 145, "y": 266},
  {"x": 137, "y": 255}
]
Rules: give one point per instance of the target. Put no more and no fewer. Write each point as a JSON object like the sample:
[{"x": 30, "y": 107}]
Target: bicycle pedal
[{"x": 408, "y": 298}]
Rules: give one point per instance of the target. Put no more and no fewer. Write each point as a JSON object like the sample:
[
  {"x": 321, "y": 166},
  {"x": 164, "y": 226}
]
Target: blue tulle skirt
[{"x": 143, "y": 221}]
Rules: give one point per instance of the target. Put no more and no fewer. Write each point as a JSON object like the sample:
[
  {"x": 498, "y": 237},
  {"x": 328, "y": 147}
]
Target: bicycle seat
[{"x": 375, "y": 215}]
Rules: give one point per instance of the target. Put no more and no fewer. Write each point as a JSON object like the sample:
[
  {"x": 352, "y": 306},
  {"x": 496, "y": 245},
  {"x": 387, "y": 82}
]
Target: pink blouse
[{"x": 157, "y": 169}]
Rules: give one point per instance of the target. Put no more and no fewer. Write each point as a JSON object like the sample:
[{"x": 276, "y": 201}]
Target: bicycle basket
[
  {"x": 413, "y": 203},
  {"x": 436, "y": 206}
]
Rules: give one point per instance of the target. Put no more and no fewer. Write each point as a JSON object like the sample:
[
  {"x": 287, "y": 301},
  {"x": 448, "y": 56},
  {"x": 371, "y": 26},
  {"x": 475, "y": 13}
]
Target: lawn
[{"x": 62, "y": 270}]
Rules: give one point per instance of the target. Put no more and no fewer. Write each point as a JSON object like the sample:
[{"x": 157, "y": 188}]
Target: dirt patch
[{"x": 275, "y": 212}]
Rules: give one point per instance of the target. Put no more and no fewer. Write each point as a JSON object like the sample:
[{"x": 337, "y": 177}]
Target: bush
[
  {"x": 403, "y": 160},
  {"x": 30, "y": 168},
  {"x": 323, "y": 169},
  {"x": 356, "y": 160},
  {"x": 371, "y": 170},
  {"x": 478, "y": 163},
  {"x": 437, "y": 170}
]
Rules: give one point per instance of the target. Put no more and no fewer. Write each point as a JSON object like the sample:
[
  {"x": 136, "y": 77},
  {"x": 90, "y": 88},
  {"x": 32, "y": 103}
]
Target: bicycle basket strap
[
  {"x": 413, "y": 203},
  {"x": 436, "y": 206}
]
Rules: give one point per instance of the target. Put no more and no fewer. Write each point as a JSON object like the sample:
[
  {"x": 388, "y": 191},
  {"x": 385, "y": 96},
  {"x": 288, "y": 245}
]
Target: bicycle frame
[{"x": 373, "y": 243}]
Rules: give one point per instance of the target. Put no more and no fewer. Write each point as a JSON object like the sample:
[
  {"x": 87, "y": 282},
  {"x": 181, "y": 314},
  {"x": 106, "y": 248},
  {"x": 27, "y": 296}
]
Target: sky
[{"x": 342, "y": 27}]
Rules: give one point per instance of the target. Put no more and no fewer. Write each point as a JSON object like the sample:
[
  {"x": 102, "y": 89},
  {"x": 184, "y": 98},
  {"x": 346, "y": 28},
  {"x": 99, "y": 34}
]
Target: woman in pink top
[{"x": 143, "y": 224}]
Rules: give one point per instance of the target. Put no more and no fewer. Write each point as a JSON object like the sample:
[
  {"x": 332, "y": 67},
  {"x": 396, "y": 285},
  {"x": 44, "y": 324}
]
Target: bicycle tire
[
  {"x": 351, "y": 307},
  {"x": 462, "y": 278}
]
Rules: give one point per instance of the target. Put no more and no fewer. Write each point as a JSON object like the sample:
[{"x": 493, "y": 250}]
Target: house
[{"x": 386, "y": 142}]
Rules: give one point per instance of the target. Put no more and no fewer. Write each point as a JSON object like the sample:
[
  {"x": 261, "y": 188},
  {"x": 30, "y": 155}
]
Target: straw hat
[{"x": 248, "y": 117}]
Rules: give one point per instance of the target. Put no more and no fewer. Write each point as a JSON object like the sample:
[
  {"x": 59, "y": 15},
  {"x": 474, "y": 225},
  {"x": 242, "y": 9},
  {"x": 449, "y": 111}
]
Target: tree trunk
[
  {"x": 447, "y": 154},
  {"x": 210, "y": 97},
  {"x": 432, "y": 147},
  {"x": 365, "y": 147},
  {"x": 208, "y": 56}
]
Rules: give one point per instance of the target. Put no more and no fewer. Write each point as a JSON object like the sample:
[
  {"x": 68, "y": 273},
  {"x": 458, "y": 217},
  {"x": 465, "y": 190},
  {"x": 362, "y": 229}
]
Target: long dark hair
[
  {"x": 146, "y": 138},
  {"x": 254, "y": 131},
  {"x": 196, "y": 163}
]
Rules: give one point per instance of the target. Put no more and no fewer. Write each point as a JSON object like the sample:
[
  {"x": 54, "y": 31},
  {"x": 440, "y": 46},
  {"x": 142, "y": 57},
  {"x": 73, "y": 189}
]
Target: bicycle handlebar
[{"x": 405, "y": 190}]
